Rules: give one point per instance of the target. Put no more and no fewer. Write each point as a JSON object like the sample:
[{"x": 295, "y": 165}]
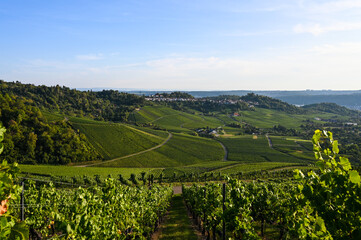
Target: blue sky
[{"x": 182, "y": 45}]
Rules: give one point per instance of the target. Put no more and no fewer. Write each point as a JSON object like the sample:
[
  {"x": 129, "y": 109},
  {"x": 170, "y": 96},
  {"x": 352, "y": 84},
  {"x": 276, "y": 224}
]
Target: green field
[
  {"x": 252, "y": 149},
  {"x": 181, "y": 150}
]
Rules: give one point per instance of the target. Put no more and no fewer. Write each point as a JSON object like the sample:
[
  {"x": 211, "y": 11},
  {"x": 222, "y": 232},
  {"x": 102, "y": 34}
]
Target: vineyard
[
  {"x": 107, "y": 210},
  {"x": 122, "y": 212},
  {"x": 316, "y": 206},
  {"x": 173, "y": 120},
  {"x": 179, "y": 151},
  {"x": 251, "y": 149},
  {"x": 267, "y": 118}
]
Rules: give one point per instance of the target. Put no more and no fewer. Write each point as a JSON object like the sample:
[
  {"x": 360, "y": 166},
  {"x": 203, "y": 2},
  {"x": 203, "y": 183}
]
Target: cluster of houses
[
  {"x": 161, "y": 98},
  {"x": 209, "y": 131}
]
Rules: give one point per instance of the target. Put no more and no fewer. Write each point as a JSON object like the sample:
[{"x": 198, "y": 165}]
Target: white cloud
[
  {"x": 318, "y": 29},
  {"x": 89, "y": 57}
]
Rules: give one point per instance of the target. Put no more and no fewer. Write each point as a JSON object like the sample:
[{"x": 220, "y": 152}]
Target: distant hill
[
  {"x": 271, "y": 103},
  {"x": 275, "y": 94},
  {"x": 332, "y": 108},
  {"x": 352, "y": 101}
]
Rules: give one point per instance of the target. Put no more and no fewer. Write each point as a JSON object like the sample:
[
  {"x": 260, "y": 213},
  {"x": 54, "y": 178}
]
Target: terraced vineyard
[
  {"x": 181, "y": 150},
  {"x": 294, "y": 147},
  {"x": 115, "y": 140},
  {"x": 267, "y": 118},
  {"x": 174, "y": 120},
  {"x": 186, "y": 154},
  {"x": 252, "y": 149}
]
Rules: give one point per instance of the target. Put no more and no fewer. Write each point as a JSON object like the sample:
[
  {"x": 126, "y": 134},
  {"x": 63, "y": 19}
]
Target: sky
[{"x": 182, "y": 44}]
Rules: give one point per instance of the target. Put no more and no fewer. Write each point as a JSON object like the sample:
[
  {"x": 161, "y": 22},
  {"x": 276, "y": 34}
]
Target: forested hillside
[
  {"x": 104, "y": 105},
  {"x": 30, "y": 138},
  {"x": 271, "y": 103}
]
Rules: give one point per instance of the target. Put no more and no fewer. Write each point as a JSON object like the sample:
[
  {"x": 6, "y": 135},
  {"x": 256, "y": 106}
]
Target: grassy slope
[
  {"x": 249, "y": 150},
  {"x": 174, "y": 120},
  {"x": 294, "y": 147},
  {"x": 114, "y": 140},
  {"x": 179, "y": 151},
  {"x": 267, "y": 118}
]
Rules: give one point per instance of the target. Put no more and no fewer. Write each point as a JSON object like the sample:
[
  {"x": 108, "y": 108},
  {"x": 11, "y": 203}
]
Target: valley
[{"x": 161, "y": 140}]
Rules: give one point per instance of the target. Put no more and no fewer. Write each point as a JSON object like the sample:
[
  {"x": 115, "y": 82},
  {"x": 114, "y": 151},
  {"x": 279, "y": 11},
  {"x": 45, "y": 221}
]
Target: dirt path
[
  {"x": 131, "y": 155},
  {"x": 269, "y": 141},
  {"x": 225, "y": 158},
  {"x": 177, "y": 224},
  {"x": 177, "y": 189}
]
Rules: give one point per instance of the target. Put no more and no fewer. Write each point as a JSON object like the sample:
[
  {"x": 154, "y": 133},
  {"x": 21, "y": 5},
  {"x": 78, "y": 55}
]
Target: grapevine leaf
[
  {"x": 355, "y": 177},
  {"x": 335, "y": 147},
  {"x": 321, "y": 165},
  {"x": 329, "y": 135},
  {"x": 345, "y": 163},
  {"x": 298, "y": 174},
  {"x": 3, "y": 221},
  {"x": 68, "y": 229},
  {"x": 19, "y": 231},
  {"x": 320, "y": 225},
  {"x": 2, "y": 132}
]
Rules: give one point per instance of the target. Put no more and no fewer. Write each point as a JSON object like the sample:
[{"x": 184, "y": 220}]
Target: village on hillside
[{"x": 161, "y": 98}]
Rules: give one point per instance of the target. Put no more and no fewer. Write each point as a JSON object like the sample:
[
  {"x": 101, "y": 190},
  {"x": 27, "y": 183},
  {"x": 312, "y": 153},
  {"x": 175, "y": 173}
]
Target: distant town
[{"x": 161, "y": 98}]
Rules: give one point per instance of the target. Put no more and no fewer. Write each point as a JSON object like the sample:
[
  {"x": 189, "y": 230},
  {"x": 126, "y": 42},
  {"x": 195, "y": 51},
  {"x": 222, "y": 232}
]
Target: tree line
[{"x": 104, "y": 105}]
